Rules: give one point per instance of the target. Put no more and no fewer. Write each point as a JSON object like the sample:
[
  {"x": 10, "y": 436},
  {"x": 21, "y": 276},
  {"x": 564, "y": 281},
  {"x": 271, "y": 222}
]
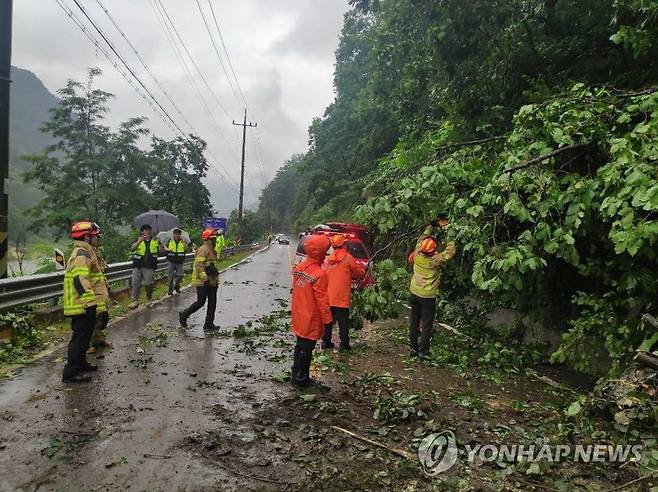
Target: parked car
[{"x": 357, "y": 239}]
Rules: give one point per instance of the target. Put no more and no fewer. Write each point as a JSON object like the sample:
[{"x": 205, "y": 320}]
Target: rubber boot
[
  {"x": 303, "y": 373},
  {"x": 296, "y": 364},
  {"x": 149, "y": 293}
]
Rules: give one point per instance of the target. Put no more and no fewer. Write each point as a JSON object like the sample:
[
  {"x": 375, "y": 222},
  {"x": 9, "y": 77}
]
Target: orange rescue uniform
[
  {"x": 342, "y": 268},
  {"x": 310, "y": 302}
]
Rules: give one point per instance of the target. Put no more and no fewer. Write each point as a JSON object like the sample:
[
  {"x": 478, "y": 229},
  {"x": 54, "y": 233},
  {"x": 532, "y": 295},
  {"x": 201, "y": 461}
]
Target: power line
[
  {"x": 221, "y": 38},
  {"x": 221, "y": 62},
  {"x": 96, "y": 43},
  {"x": 191, "y": 58},
  {"x": 67, "y": 10},
  {"x": 172, "y": 42},
  {"x": 125, "y": 64},
  {"x": 141, "y": 60},
  {"x": 180, "y": 39},
  {"x": 188, "y": 73}
]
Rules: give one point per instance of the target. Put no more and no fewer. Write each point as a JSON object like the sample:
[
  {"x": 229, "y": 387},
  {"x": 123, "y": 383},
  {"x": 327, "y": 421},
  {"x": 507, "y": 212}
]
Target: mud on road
[{"x": 173, "y": 409}]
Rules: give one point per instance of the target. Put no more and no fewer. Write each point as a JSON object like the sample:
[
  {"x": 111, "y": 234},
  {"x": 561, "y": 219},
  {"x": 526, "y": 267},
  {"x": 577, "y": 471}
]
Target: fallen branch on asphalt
[{"x": 400, "y": 452}]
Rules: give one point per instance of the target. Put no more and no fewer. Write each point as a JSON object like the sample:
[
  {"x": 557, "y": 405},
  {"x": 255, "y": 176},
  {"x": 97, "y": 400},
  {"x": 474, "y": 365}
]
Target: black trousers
[
  {"x": 82, "y": 329},
  {"x": 202, "y": 293},
  {"x": 302, "y": 358},
  {"x": 342, "y": 315},
  {"x": 422, "y": 309}
]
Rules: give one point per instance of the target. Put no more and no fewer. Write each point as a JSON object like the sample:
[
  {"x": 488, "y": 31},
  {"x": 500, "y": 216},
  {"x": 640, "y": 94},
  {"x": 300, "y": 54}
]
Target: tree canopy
[{"x": 436, "y": 105}]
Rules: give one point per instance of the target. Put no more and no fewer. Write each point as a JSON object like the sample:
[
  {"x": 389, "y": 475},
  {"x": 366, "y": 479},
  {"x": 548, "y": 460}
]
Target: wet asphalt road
[{"x": 129, "y": 428}]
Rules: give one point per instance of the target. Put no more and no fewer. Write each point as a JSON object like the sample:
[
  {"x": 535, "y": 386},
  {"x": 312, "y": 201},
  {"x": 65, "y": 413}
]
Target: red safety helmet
[
  {"x": 209, "y": 234},
  {"x": 338, "y": 240},
  {"x": 428, "y": 246},
  {"x": 83, "y": 228}
]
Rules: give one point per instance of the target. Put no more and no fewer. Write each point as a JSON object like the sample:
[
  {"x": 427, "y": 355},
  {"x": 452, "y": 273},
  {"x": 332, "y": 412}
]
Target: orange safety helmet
[
  {"x": 84, "y": 228},
  {"x": 338, "y": 240},
  {"x": 428, "y": 246},
  {"x": 209, "y": 234}
]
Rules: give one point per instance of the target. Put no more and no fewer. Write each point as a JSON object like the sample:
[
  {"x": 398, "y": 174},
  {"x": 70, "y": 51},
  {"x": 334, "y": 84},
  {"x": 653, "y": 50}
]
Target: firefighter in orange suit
[
  {"x": 310, "y": 306},
  {"x": 341, "y": 269}
]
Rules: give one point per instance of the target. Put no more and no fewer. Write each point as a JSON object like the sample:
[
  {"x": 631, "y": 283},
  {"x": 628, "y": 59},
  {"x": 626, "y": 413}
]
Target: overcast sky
[{"x": 282, "y": 52}]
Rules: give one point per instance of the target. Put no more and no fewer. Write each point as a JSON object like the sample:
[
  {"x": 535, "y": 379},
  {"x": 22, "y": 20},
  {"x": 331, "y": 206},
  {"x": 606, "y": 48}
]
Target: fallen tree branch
[
  {"x": 543, "y": 157},
  {"x": 469, "y": 142},
  {"x": 454, "y": 330},
  {"x": 400, "y": 452},
  {"x": 426, "y": 161},
  {"x": 650, "y": 319},
  {"x": 396, "y": 239},
  {"x": 632, "y": 482},
  {"x": 647, "y": 359}
]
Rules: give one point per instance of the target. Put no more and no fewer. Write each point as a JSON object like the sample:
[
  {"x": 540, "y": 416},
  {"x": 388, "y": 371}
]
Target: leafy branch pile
[
  {"x": 25, "y": 335},
  {"x": 576, "y": 232}
]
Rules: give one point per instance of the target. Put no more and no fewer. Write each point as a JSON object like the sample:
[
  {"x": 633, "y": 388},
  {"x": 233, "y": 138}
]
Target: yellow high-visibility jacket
[
  {"x": 79, "y": 291},
  {"x": 205, "y": 267},
  {"x": 426, "y": 278},
  {"x": 220, "y": 242},
  {"x": 99, "y": 283}
]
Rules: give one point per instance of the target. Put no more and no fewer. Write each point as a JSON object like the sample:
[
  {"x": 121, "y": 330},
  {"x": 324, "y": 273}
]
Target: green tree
[
  {"x": 178, "y": 168},
  {"x": 90, "y": 172}
]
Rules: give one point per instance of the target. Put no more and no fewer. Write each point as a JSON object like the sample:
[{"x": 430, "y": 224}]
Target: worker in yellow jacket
[
  {"x": 220, "y": 243},
  {"x": 427, "y": 263},
  {"x": 205, "y": 277},
  {"x": 102, "y": 290},
  {"x": 80, "y": 300}
]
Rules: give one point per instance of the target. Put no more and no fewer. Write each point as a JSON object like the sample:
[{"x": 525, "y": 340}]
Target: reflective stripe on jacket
[
  {"x": 78, "y": 288},
  {"x": 342, "y": 268},
  {"x": 205, "y": 267},
  {"x": 99, "y": 283},
  {"x": 426, "y": 278},
  {"x": 176, "y": 253},
  {"x": 141, "y": 259},
  {"x": 310, "y": 302}
]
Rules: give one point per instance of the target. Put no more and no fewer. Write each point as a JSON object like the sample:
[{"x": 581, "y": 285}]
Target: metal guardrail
[{"x": 30, "y": 289}]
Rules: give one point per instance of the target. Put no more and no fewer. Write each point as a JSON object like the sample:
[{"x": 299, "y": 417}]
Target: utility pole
[
  {"x": 244, "y": 126},
  {"x": 5, "y": 81}
]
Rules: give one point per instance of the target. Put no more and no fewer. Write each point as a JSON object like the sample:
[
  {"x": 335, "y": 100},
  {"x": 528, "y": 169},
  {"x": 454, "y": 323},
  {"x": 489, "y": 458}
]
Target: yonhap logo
[{"x": 438, "y": 452}]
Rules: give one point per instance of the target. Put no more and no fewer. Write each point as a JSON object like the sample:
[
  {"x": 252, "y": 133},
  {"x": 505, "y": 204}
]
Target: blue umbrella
[{"x": 159, "y": 220}]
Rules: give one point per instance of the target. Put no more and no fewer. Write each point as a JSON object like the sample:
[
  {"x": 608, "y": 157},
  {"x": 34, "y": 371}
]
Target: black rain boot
[
  {"x": 295, "y": 376},
  {"x": 305, "y": 358},
  {"x": 149, "y": 293}
]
